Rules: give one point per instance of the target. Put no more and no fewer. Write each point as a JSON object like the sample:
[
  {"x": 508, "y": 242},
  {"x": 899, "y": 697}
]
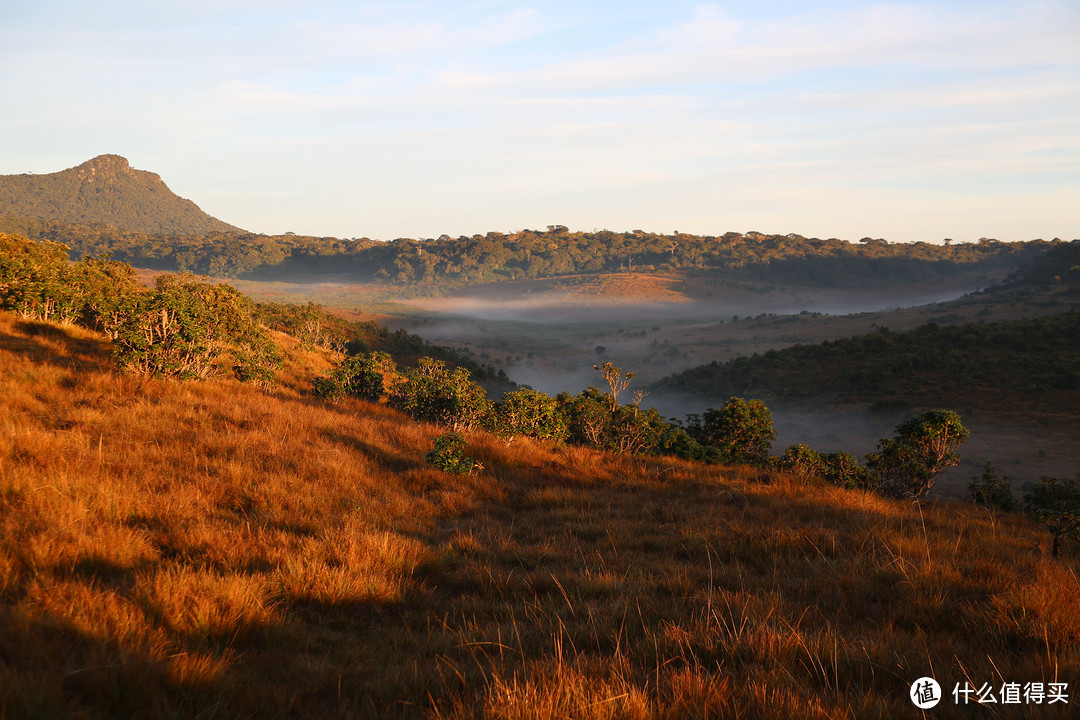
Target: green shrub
[
  {"x": 110, "y": 291},
  {"x": 635, "y": 431},
  {"x": 449, "y": 454},
  {"x": 529, "y": 412},
  {"x": 361, "y": 376},
  {"x": 837, "y": 468},
  {"x": 843, "y": 469},
  {"x": 434, "y": 393},
  {"x": 587, "y": 415},
  {"x": 801, "y": 460},
  {"x": 37, "y": 281},
  {"x": 741, "y": 431}
]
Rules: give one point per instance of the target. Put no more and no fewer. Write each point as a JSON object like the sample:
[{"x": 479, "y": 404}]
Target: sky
[{"x": 906, "y": 121}]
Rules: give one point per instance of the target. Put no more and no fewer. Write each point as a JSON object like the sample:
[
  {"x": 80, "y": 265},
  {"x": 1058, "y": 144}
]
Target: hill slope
[
  {"x": 1020, "y": 364},
  {"x": 210, "y": 549},
  {"x": 105, "y": 190}
]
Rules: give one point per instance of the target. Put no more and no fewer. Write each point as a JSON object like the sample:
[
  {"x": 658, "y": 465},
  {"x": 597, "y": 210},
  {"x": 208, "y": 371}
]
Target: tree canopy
[{"x": 445, "y": 262}]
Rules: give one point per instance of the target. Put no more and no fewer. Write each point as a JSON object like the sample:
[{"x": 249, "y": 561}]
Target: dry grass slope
[{"x": 211, "y": 550}]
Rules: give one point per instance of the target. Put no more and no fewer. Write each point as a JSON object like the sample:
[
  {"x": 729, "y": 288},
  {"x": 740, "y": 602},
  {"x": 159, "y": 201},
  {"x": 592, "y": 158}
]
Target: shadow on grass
[
  {"x": 49, "y": 344},
  {"x": 51, "y": 668},
  {"x": 381, "y": 458}
]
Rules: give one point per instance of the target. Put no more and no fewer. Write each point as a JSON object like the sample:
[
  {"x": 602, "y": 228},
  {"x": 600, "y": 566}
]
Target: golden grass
[{"x": 212, "y": 550}]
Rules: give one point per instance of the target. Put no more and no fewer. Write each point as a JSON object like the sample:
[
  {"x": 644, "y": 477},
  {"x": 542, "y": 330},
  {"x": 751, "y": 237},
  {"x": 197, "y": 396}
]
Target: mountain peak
[
  {"x": 107, "y": 190},
  {"x": 105, "y": 163},
  {"x": 107, "y": 160}
]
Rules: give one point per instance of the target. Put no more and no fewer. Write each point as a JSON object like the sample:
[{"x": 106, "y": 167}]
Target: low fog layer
[
  {"x": 552, "y": 345},
  {"x": 554, "y": 308}
]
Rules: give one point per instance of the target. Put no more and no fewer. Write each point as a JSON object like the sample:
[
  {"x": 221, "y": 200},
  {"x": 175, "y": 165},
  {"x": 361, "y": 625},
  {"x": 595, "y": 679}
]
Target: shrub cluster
[
  {"x": 740, "y": 432},
  {"x": 837, "y": 468},
  {"x": 432, "y": 392},
  {"x": 184, "y": 328}
]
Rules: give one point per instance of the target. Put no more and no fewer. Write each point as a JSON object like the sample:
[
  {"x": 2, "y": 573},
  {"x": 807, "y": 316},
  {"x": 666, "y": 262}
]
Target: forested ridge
[
  {"x": 974, "y": 364},
  {"x": 446, "y": 262}
]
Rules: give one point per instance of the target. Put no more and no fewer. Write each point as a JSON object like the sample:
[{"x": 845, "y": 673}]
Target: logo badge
[{"x": 925, "y": 693}]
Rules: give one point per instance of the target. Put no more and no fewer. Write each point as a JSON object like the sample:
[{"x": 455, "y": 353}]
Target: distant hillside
[
  {"x": 1059, "y": 268},
  {"x": 1022, "y": 365},
  {"x": 987, "y": 365},
  {"x": 105, "y": 190}
]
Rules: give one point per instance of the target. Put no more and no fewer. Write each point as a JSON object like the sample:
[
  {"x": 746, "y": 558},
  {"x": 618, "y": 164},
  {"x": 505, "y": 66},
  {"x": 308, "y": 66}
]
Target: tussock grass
[{"x": 213, "y": 550}]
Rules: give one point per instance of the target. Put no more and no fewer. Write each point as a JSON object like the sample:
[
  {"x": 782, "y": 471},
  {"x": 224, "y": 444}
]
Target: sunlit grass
[{"x": 210, "y": 549}]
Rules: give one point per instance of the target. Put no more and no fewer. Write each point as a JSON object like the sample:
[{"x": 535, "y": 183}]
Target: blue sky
[{"x": 908, "y": 121}]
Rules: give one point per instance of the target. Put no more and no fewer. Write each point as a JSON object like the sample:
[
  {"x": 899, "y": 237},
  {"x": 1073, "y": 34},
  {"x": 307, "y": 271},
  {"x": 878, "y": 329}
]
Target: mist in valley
[
  {"x": 553, "y": 347},
  {"x": 551, "y": 339},
  {"x": 553, "y": 308}
]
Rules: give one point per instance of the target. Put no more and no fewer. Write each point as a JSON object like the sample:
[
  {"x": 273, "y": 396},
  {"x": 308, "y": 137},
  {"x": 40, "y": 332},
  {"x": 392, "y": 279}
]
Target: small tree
[
  {"x": 1056, "y": 504},
  {"x": 434, "y": 393},
  {"x": 924, "y": 447},
  {"x": 361, "y": 376},
  {"x": 310, "y": 326},
  {"x": 616, "y": 380},
  {"x": 741, "y": 431},
  {"x": 992, "y": 491},
  {"x": 529, "y": 412}
]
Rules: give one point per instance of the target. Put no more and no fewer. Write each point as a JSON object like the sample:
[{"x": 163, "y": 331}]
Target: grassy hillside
[
  {"x": 107, "y": 191},
  {"x": 214, "y": 550}
]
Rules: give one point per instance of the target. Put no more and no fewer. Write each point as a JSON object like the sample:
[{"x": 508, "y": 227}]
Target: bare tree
[{"x": 616, "y": 380}]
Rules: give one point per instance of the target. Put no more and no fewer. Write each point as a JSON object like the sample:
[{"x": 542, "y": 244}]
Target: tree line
[{"x": 444, "y": 262}]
